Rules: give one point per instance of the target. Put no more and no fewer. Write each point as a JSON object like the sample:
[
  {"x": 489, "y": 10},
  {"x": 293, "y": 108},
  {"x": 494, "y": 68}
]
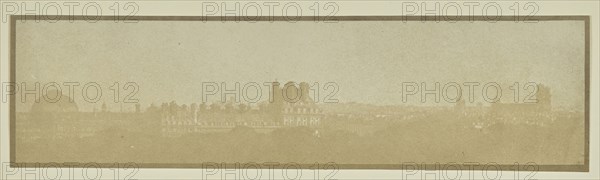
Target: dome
[{"x": 54, "y": 102}]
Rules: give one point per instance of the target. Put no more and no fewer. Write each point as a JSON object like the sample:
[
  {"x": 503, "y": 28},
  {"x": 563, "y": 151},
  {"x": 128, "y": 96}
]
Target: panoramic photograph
[{"x": 355, "y": 93}]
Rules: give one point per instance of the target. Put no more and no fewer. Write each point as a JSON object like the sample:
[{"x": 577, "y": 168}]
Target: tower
[
  {"x": 305, "y": 89},
  {"x": 544, "y": 98},
  {"x": 276, "y": 105},
  {"x": 276, "y": 90},
  {"x": 290, "y": 91}
]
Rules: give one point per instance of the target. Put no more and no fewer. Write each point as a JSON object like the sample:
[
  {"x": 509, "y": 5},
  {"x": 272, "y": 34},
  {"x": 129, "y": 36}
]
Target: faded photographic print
[{"x": 376, "y": 92}]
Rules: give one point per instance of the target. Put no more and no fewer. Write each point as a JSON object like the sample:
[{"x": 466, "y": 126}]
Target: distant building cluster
[
  {"x": 291, "y": 105},
  {"x": 532, "y": 113},
  {"x": 542, "y": 106}
]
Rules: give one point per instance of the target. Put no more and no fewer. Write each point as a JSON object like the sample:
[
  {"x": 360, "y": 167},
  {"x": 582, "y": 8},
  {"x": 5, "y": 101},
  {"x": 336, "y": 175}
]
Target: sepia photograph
[{"x": 377, "y": 92}]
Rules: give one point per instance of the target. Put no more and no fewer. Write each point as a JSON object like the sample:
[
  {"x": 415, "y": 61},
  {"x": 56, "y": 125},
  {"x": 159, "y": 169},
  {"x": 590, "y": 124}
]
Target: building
[
  {"x": 299, "y": 109},
  {"x": 290, "y": 106}
]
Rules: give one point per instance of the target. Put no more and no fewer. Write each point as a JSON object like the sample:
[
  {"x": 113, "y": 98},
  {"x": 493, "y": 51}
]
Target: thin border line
[
  {"x": 12, "y": 102},
  {"x": 246, "y": 1},
  {"x": 564, "y": 168}
]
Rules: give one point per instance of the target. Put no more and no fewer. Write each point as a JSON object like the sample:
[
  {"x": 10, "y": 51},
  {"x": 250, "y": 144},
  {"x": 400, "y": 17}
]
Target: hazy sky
[{"x": 169, "y": 60}]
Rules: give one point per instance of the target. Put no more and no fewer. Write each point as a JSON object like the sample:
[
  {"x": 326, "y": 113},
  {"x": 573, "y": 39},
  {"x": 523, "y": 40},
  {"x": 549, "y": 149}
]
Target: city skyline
[
  {"x": 369, "y": 67},
  {"x": 372, "y": 67}
]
